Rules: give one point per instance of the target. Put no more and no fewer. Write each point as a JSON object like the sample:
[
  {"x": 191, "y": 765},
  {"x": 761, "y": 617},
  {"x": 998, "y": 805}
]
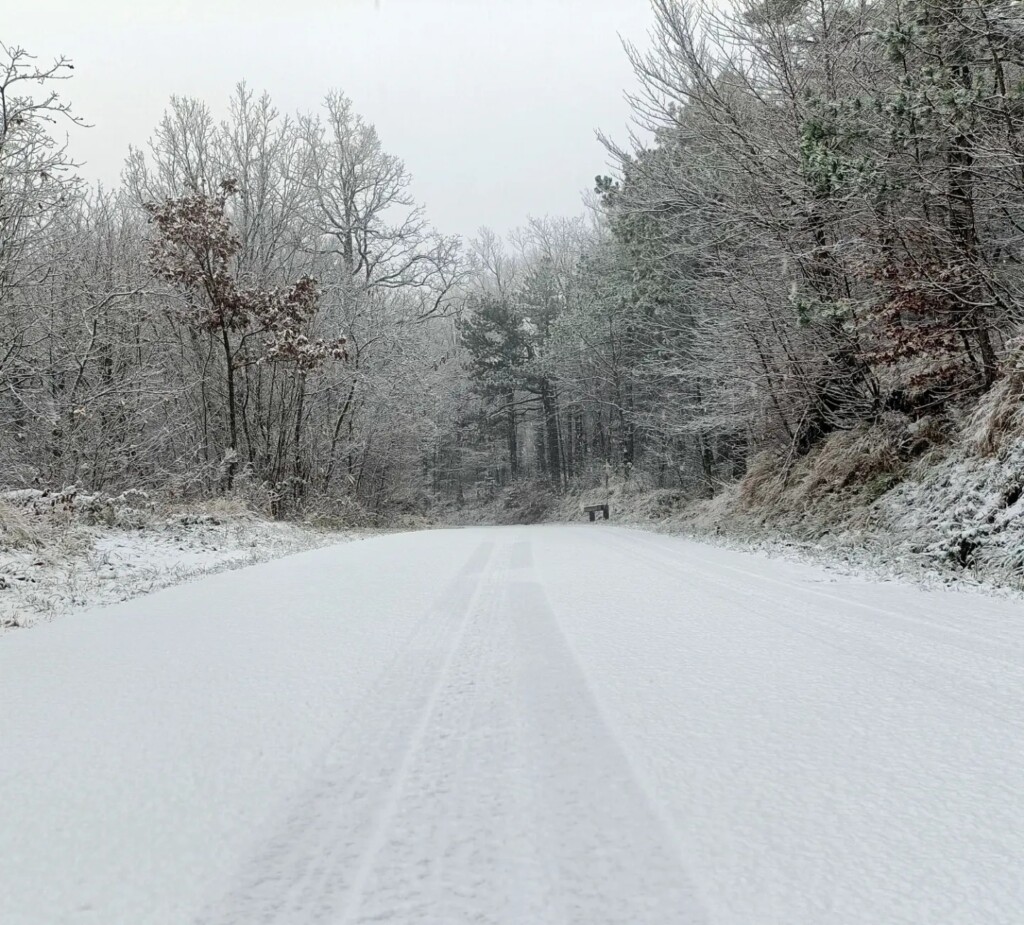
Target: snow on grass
[
  {"x": 60, "y": 556},
  {"x": 954, "y": 517}
]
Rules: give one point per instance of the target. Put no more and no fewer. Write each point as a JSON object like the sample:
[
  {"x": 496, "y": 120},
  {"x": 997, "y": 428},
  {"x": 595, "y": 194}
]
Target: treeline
[
  {"x": 250, "y": 311},
  {"x": 820, "y": 226},
  {"x": 825, "y": 230}
]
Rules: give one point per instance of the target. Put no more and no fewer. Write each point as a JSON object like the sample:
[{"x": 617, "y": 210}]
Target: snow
[
  {"x": 966, "y": 510},
  {"x": 517, "y": 725},
  {"x": 73, "y": 565},
  {"x": 954, "y": 519}
]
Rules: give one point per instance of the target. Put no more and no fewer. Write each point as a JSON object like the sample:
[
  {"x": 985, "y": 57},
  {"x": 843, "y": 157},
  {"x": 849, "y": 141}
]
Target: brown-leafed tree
[{"x": 195, "y": 249}]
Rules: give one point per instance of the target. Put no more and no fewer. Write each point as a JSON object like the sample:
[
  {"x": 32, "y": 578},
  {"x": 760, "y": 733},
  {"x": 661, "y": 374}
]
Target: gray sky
[{"x": 492, "y": 104}]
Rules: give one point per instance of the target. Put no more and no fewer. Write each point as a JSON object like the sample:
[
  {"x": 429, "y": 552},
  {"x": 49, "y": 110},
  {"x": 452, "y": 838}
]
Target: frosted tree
[{"x": 195, "y": 249}]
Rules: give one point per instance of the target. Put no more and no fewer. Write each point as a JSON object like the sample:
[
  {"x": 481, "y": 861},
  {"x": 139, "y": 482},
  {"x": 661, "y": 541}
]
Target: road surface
[{"x": 529, "y": 725}]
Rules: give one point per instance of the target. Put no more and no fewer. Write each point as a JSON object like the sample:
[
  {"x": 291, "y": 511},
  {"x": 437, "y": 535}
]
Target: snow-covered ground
[
  {"x": 63, "y": 564},
  {"x": 953, "y": 519},
  {"x": 519, "y": 725}
]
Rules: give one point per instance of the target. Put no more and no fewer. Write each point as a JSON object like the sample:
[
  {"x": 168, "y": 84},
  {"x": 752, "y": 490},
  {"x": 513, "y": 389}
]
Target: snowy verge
[
  {"x": 63, "y": 551},
  {"x": 896, "y": 500},
  {"x": 950, "y": 518},
  {"x": 953, "y": 520}
]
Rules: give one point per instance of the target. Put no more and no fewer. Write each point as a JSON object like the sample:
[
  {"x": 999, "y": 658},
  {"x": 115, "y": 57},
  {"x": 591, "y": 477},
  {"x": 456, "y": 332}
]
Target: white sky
[{"x": 493, "y": 104}]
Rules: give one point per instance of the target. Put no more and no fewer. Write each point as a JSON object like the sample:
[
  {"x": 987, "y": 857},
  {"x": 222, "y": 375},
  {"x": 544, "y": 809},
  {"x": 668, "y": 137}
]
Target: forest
[{"x": 816, "y": 231}]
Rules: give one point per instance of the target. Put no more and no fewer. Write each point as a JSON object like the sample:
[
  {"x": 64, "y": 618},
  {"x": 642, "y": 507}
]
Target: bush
[{"x": 526, "y": 503}]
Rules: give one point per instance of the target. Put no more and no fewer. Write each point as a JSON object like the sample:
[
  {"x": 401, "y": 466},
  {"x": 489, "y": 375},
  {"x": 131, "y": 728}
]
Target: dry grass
[
  {"x": 855, "y": 459},
  {"x": 999, "y": 416},
  {"x": 849, "y": 467},
  {"x": 211, "y": 511},
  {"x": 764, "y": 482},
  {"x": 21, "y": 530}
]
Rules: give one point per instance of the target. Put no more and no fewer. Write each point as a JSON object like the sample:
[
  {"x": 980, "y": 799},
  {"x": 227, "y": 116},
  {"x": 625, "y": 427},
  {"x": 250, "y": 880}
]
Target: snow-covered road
[{"x": 517, "y": 725}]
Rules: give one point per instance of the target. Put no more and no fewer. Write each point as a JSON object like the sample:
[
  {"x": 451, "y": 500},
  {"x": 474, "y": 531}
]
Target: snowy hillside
[{"x": 866, "y": 501}]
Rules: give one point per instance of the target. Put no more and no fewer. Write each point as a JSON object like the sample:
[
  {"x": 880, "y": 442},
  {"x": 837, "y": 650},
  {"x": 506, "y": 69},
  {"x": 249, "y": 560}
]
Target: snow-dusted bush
[{"x": 18, "y": 531}]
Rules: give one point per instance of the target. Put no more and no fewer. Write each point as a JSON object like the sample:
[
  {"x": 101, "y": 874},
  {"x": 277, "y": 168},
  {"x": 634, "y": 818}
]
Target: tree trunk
[
  {"x": 229, "y": 472},
  {"x": 512, "y": 425},
  {"x": 554, "y": 456}
]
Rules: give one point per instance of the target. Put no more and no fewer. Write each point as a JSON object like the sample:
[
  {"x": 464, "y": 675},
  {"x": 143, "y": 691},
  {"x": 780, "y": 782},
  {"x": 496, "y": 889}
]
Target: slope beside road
[{"x": 517, "y": 725}]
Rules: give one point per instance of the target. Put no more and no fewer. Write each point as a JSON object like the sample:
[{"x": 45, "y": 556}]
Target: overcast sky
[{"x": 493, "y": 104}]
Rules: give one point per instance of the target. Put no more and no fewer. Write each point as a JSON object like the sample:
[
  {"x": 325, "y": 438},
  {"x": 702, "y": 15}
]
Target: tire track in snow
[
  {"x": 597, "y": 808},
  {"x": 407, "y": 780},
  {"x": 522, "y": 806},
  {"x": 485, "y": 788},
  {"x": 304, "y": 873},
  {"x": 460, "y": 846}
]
